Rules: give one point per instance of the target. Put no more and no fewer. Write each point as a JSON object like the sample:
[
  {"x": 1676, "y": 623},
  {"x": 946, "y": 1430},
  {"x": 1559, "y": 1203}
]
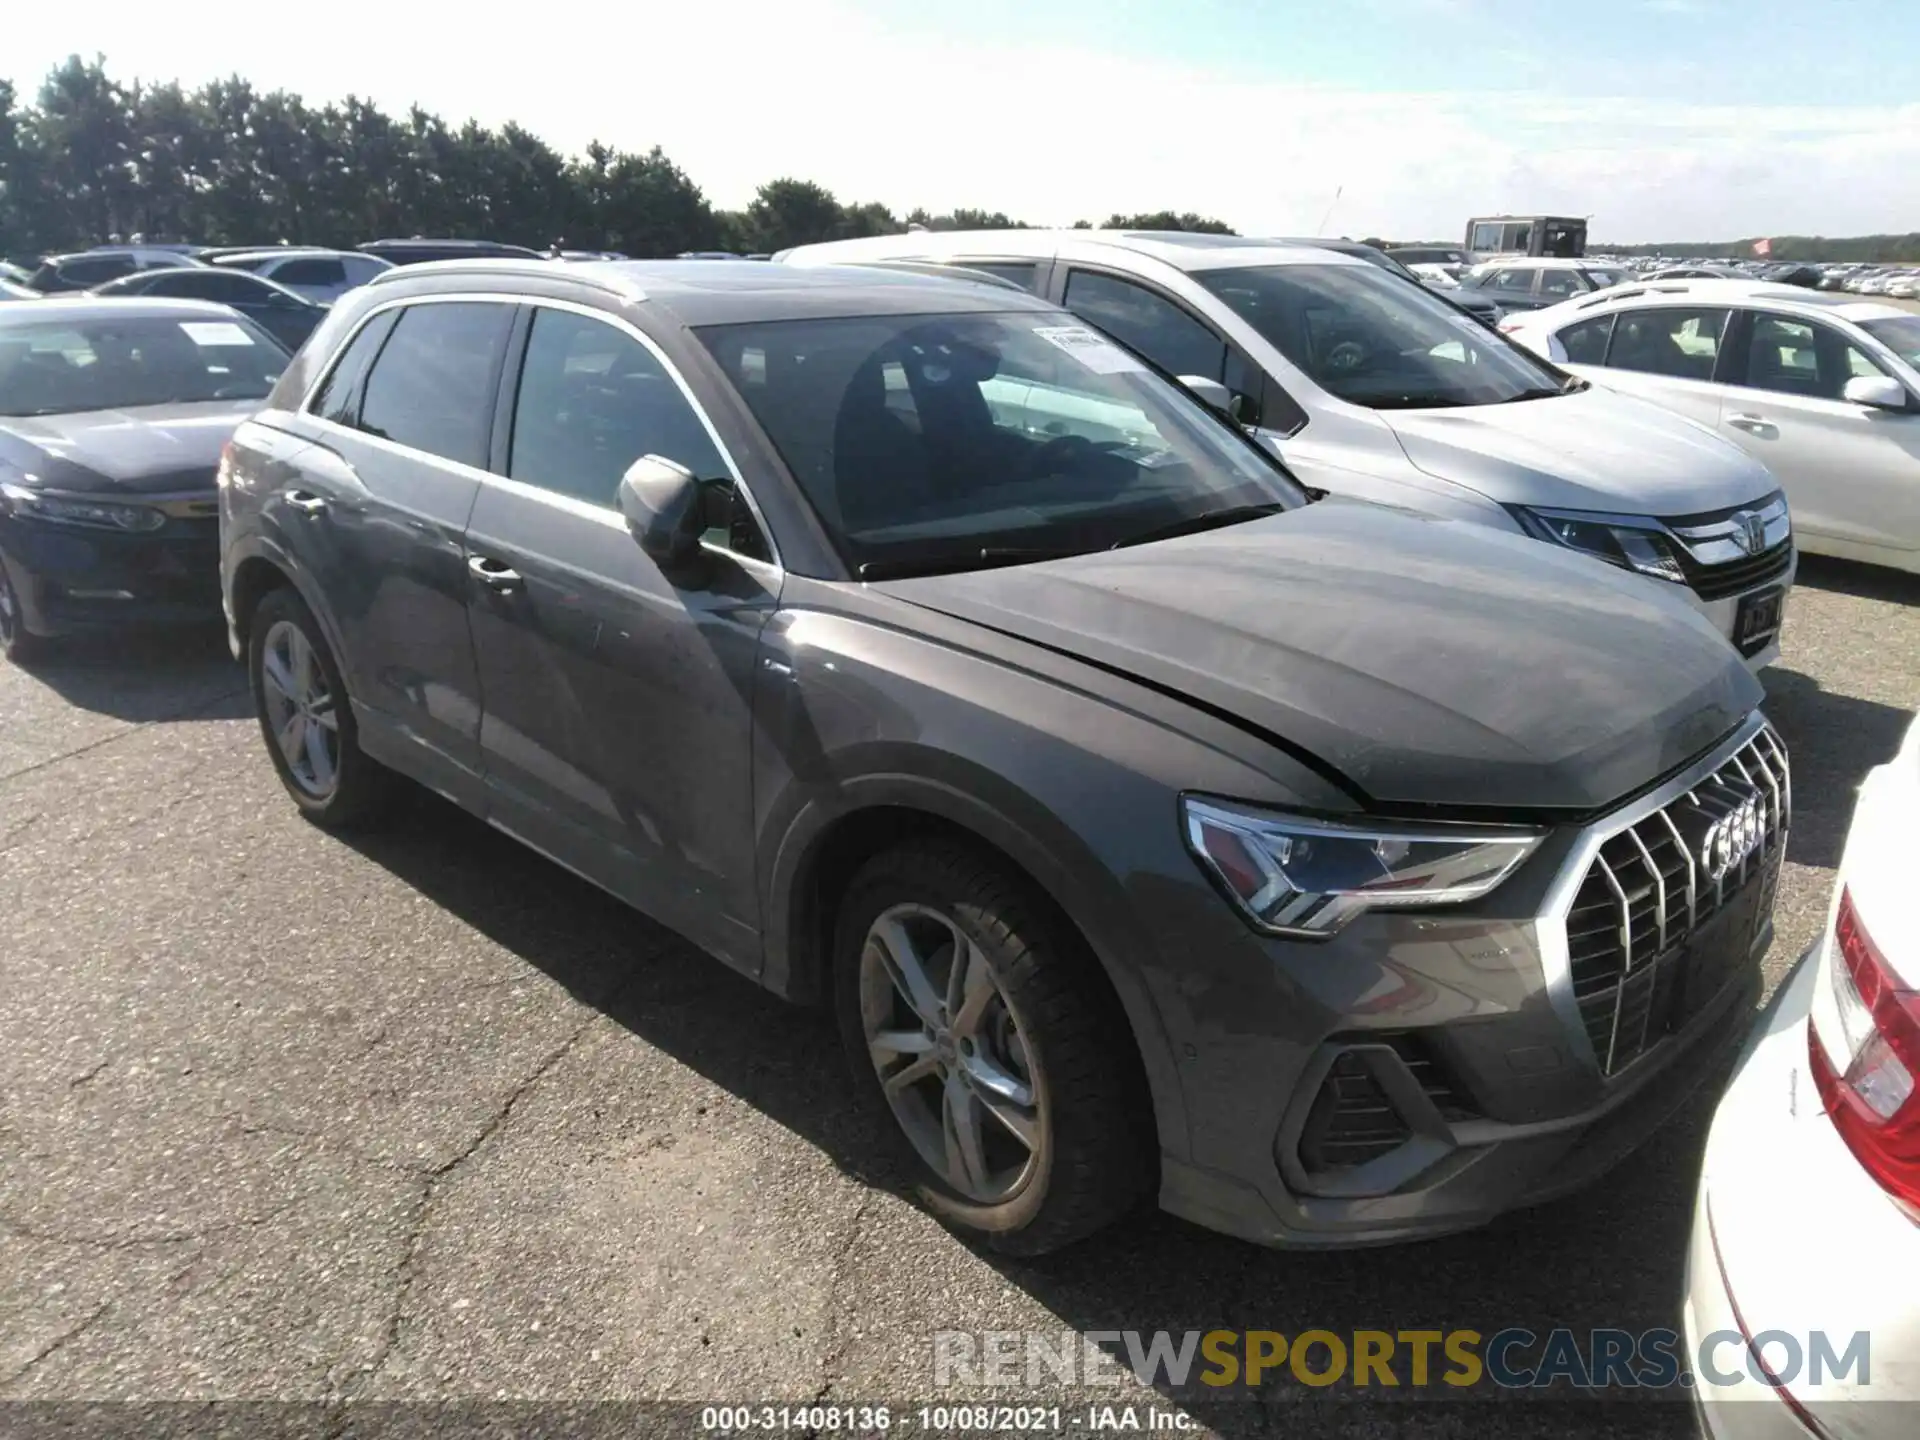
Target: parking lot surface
[{"x": 284, "y": 1116}]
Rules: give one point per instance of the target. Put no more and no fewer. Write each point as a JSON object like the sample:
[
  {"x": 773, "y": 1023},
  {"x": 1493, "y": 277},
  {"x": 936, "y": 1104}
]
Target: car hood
[
  {"x": 1429, "y": 662},
  {"x": 151, "y": 449},
  {"x": 1591, "y": 450}
]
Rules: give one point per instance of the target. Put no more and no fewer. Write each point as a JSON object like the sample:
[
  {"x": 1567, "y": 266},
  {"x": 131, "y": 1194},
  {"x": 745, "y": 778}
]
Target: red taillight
[{"x": 1873, "y": 1104}]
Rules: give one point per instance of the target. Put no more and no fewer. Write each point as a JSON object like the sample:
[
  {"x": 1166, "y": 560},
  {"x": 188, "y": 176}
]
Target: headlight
[
  {"x": 1617, "y": 539},
  {"x": 73, "y": 510},
  {"x": 1310, "y": 877}
]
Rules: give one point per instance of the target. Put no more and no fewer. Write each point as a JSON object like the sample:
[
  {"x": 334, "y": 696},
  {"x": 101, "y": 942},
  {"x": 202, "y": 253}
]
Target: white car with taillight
[{"x": 1806, "y": 1231}]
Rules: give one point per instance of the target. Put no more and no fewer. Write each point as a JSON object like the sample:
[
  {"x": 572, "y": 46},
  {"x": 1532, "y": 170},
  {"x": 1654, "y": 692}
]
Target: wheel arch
[{"x": 825, "y": 846}]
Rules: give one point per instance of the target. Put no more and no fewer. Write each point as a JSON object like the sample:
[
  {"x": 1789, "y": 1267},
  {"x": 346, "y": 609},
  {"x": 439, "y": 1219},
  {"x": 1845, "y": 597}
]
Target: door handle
[
  {"x": 1755, "y": 423},
  {"x": 492, "y": 574},
  {"x": 306, "y": 502}
]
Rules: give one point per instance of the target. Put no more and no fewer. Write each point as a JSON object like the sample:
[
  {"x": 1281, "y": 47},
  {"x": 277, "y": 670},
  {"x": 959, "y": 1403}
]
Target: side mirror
[
  {"x": 1210, "y": 393},
  {"x": 1883, "y": 392},
  {"x": 662, "y": 504}
]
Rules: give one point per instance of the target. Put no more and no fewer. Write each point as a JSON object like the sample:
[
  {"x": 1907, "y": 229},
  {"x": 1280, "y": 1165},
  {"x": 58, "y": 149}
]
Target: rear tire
[
  {"x": 307, "y": 719},
  {"x": 1015, "y": 1097}
]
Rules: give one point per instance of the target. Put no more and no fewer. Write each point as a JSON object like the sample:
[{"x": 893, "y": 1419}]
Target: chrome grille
[
  {"x": 1649, "y": 889},
  {"x": 1728, "y": 552}
]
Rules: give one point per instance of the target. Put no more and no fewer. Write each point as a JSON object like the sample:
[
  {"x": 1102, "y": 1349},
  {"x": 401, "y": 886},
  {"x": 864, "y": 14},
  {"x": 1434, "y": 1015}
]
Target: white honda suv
[{"x": 1368, "y": 384}]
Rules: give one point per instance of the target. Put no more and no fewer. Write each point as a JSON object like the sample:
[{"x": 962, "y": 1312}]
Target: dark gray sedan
[
  {"x": 112, "y": 416},
  {"x": 286, "y": 315},
  {"x": 1327, "y": 873}
]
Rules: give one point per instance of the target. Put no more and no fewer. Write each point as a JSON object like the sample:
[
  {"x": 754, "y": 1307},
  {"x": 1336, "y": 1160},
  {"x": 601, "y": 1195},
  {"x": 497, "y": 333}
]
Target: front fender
[{"x": 1073, "y": 774}]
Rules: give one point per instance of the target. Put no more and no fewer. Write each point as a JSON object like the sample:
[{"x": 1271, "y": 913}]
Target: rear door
[
  {"x": 1672, "y": 355},
  {"x": 1851, "y": 472},
  {"x": 378, "y": 516},
  {"x": 617, "y": 724}
]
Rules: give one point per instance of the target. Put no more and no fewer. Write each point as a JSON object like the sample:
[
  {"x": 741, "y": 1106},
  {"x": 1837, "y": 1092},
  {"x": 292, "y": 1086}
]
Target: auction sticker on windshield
[
  {"x": 215, "y": 332},
  {"x": 1092, "y": 350}
]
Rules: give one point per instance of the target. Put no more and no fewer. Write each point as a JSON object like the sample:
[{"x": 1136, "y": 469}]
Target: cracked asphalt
[{"x": 421, "y": 1116}]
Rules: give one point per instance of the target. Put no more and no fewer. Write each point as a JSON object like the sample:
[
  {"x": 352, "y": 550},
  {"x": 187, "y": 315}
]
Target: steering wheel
[
  {"x": 1345, "y": 358},
  {"x": 1065, "y": 451}
]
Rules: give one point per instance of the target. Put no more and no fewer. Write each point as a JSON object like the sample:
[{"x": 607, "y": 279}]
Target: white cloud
[{"x": 740, "y": 93}]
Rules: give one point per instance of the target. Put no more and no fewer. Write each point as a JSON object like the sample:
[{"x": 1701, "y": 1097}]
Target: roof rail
[{"x": 590, "y": 273}]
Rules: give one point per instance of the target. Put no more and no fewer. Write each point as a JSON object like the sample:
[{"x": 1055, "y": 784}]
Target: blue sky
[{"x": 1663, "y": 119}]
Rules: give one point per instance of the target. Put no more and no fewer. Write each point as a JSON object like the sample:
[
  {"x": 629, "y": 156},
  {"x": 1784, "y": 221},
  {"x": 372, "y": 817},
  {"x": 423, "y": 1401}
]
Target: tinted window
[
  {"x": 432, "y": 387},
  {"x": 1801, "y": 358},
  {"x": 1668, "y": 341},
  {"x": 208, "y": 285},
  {"x": 1900, "y": 334},
  {"x": 96, "y": 271},
  {"x": 1561, "y": 283},
  {"x": 338, "y": 398},
  {"x": 944, "y": 442},
  {"x": 310, "y": 272},
  {"x": 68, "y": 366},
  {"x": 1781, "y": 355},
  {"x": 1149, "y": 323},
  {"x": 1374, "y": 340},
  {"x": 1020, "y": 272},
  {"x": 592, "y": 401},
  {"x": 1586, "y": 343}
]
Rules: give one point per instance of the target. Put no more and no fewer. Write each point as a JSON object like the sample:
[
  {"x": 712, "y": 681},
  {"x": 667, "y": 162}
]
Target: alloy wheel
[
  {"x": 951, "y": 1054},
  {"x": 300, "y": 709}
]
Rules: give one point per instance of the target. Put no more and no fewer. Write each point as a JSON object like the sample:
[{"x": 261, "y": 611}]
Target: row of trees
[{"x": 90, "y": 158}]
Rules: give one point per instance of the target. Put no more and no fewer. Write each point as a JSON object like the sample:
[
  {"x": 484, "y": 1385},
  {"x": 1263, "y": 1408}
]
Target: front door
[
  {"x": 1851, "y": 472},
  {"x": 617, "y": 725}
]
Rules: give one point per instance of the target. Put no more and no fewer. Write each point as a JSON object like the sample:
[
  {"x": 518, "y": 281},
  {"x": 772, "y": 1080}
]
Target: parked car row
[{"x": 989, "y": 636}]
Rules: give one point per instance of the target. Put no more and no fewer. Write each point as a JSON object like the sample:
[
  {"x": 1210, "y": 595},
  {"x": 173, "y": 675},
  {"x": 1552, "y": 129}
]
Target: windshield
[
  {"x": 1376, "y": 341},
  {"x": 1899, "y": 334},
  {"x": 67, "y": 365},
  {"x": 930, "y": 443}
]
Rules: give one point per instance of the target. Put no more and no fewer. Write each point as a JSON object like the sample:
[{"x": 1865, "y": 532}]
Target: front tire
[
  {"x": 307, "y": 720},
  {"x": 992, "y": 1048},
  {"x": 19, "y": 644}
]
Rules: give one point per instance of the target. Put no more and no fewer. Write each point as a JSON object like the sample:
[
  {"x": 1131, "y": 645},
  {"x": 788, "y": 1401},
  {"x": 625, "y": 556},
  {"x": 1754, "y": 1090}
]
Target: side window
[
  {"x": 593, "y": 400},
  {"x": 310, "y": 272},
  {"x": 1156, "y": 327},
  {"x": 362, "y": 268},
  {"x": 1669, "y": 340},
  {"x": 1560, "y": 283},
  {"x": 96, "y": 271},
  {"x": 1020, "y": 272},
  {"x": 1586, "y": 343},
  {"x": 337, "y": 399},
  {"x": 209, "y": 285},
  {"x": 1512, "y": 278},
  {"x": 432, "y": 386},
  {"x": 1784, "y": 355}
]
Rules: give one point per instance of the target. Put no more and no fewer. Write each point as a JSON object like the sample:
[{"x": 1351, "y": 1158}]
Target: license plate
[
  {"x": 1758, "y": 616},
  {"x": 1722, "y": 948}
]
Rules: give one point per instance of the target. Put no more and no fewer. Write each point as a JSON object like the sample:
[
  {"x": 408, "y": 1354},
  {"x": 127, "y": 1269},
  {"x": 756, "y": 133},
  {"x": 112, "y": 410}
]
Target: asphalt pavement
[{"x": 420, "y": 1116}]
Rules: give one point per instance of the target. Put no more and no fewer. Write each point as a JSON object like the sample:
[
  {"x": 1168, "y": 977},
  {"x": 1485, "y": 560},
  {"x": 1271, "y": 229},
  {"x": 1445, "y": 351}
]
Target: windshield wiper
[
  {"x": 1208, "y": 520},
  {"x": 985, "y": 558}
]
